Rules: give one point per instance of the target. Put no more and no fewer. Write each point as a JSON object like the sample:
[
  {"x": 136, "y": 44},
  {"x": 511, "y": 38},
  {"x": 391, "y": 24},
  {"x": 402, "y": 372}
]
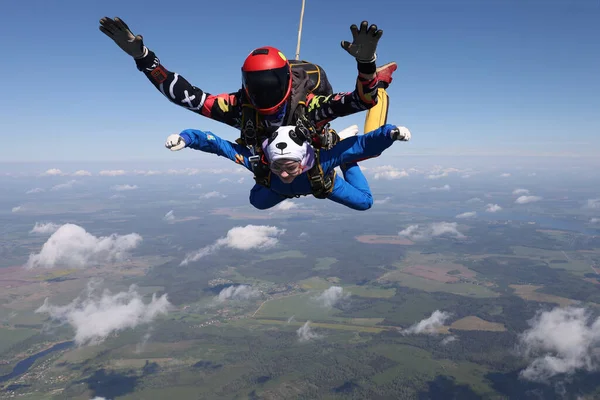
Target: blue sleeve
[
  {"x": 356, "y": 148},
  {"x": 211, "y": 143}
]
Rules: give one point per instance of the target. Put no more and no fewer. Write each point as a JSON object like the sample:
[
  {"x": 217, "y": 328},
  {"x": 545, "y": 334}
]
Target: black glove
[
  {"x": 120, "y": 33},
  {"x": 364, "y": 42}
]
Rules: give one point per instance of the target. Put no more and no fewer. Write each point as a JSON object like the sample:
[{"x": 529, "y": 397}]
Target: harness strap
[{"x": 320, "y": 184}]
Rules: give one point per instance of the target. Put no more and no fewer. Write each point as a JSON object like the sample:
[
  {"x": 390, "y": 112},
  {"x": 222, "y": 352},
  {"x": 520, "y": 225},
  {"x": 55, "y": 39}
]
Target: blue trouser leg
[
  {"x": 264, "y": 198},
  {"x": 353, "y": 191}
]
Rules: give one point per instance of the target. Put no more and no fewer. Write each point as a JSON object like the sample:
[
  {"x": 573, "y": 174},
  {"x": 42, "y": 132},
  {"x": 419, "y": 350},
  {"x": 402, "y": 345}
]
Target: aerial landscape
[{"x": 120, "y": 286}]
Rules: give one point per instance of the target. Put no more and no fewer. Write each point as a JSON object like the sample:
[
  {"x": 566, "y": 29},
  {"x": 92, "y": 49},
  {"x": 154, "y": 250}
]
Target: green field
[
  {"x": 428, "y": 285},
  {"x": 576, "y": 262},
  {"x": 321, "y": 284},
  {"x": 12, "y": 336},
  {"x": 282, "y": 255},
  {"x": 324, "y": 325},
  {"x": 301, "y": 306},
  {"x": 418, "y": 363},
  {"x": 324, "y": 263}
]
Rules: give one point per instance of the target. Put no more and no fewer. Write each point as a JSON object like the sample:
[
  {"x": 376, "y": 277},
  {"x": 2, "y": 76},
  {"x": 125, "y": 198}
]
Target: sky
[{"x": 497, "y": 77}]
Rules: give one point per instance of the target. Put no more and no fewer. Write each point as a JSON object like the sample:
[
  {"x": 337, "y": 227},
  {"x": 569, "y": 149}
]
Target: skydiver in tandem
[
  {"x": 291, "y": 167},
  {"x": 275, "y": 91}
]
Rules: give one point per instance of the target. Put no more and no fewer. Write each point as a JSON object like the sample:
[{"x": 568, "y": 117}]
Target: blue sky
[{"x": 479, "y": 77}]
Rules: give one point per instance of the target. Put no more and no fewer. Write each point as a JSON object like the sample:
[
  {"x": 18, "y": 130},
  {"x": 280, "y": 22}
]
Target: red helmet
[{"x": 267, "y": 79}]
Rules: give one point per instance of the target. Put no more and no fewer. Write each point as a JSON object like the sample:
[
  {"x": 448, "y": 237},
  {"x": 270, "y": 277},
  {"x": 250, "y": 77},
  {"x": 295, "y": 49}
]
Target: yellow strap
[{"x": 377, "y": 115}]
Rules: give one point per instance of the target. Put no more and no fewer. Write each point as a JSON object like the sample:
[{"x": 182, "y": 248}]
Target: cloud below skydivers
[
  {"x": 121, "y": 188},
  {"x": 169, "y": 217},
  {"x": 331, "y": 296},
  {"x": 94, "y": 317},
  {"x": 527, "y": 199},
  {"x": 240, "y": 238},
  {"x": 418, "y": 232},
  {"x": 492, "y": 208},
  {"x": 561, "y": 341},
  {"x": 44, "y": 228},
  {"x": 305, "y": 333},
  {"x": 240, "y": 292},
  {"x": 70, "y": 246},
  {"x": 387, "y": 172},
  {"x": 429, "y": 325},
  {"x": 468, "y": 214}
]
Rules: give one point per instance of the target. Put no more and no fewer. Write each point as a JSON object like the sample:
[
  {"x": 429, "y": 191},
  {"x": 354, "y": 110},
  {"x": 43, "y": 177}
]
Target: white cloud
[
  {"x": 527, "y": 199},
  {"x": 437, "y": 176},
  {"x": 429, "y": 325},
  {"x": 185, "y": 171},
  {"x": 240, "y": 238},
  {"x": 305, "y": 333},
  {"x": 95, "y": 317},
  {"x": 17, "y": 209},
  {"x": 212, "y": 195},
  {"x": 418, "y": 232},
  {"x": 492, "y": 208},
  {"x": 117, "y": 172},
  {"x": 449, "y": 339},
  {"x": 241, "y": 180},
  {"x": 241, "y": 292},
  {"x": 44, "y": 228},
  {"x": 147, "y": 173},
  {"x": 223, "y": 180},
  {"x": 520, "y": 191},
  {"x": 53, "y": 172},
  {"x": 442, "y": 188},
  {"x": 505, "y": 175},
  {"x": 331, "y": 296},
  {"x": 383, "y": 201},
  {"x": 122, "y": 188},
  {"x": 474, "y": 200},
  {"x": 35, "y": 190},
  {"x": 285, "y": 206},
  {"x": 82, "y": 172},
  {"x": 169, "y": 216},
  {"x": 592, "y": 203},
  {"x": 388, "y": 172},
  {"x": 594, "y": 220},
  {"x": 468, "y": 214},
  {"x": 438, "y": 172},
  {"x": 238, "y": 170},
  {"x": 66, "y": 185},
  {"x": 72, "y": 247},
  {"x": 561, "y": 341}
]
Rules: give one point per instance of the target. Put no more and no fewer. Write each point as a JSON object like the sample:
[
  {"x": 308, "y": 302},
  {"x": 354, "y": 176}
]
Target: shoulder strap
[
  {"x": 262, "y": 172},
  {"x": 320, "y": 184}
]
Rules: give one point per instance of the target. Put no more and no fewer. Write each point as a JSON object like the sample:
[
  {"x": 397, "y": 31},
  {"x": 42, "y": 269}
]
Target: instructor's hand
[
  {"x": 120, "y": 33},
  {"x": 364, "y": 42}
]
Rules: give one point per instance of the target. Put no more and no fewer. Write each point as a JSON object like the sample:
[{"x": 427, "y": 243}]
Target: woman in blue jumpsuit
[{"x": 352, "y": 191}]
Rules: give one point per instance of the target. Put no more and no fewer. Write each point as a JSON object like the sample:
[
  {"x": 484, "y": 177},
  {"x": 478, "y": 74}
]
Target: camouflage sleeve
[
  {"x": 222, "y": 107},
  {"x": 323, "y": 109}
]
